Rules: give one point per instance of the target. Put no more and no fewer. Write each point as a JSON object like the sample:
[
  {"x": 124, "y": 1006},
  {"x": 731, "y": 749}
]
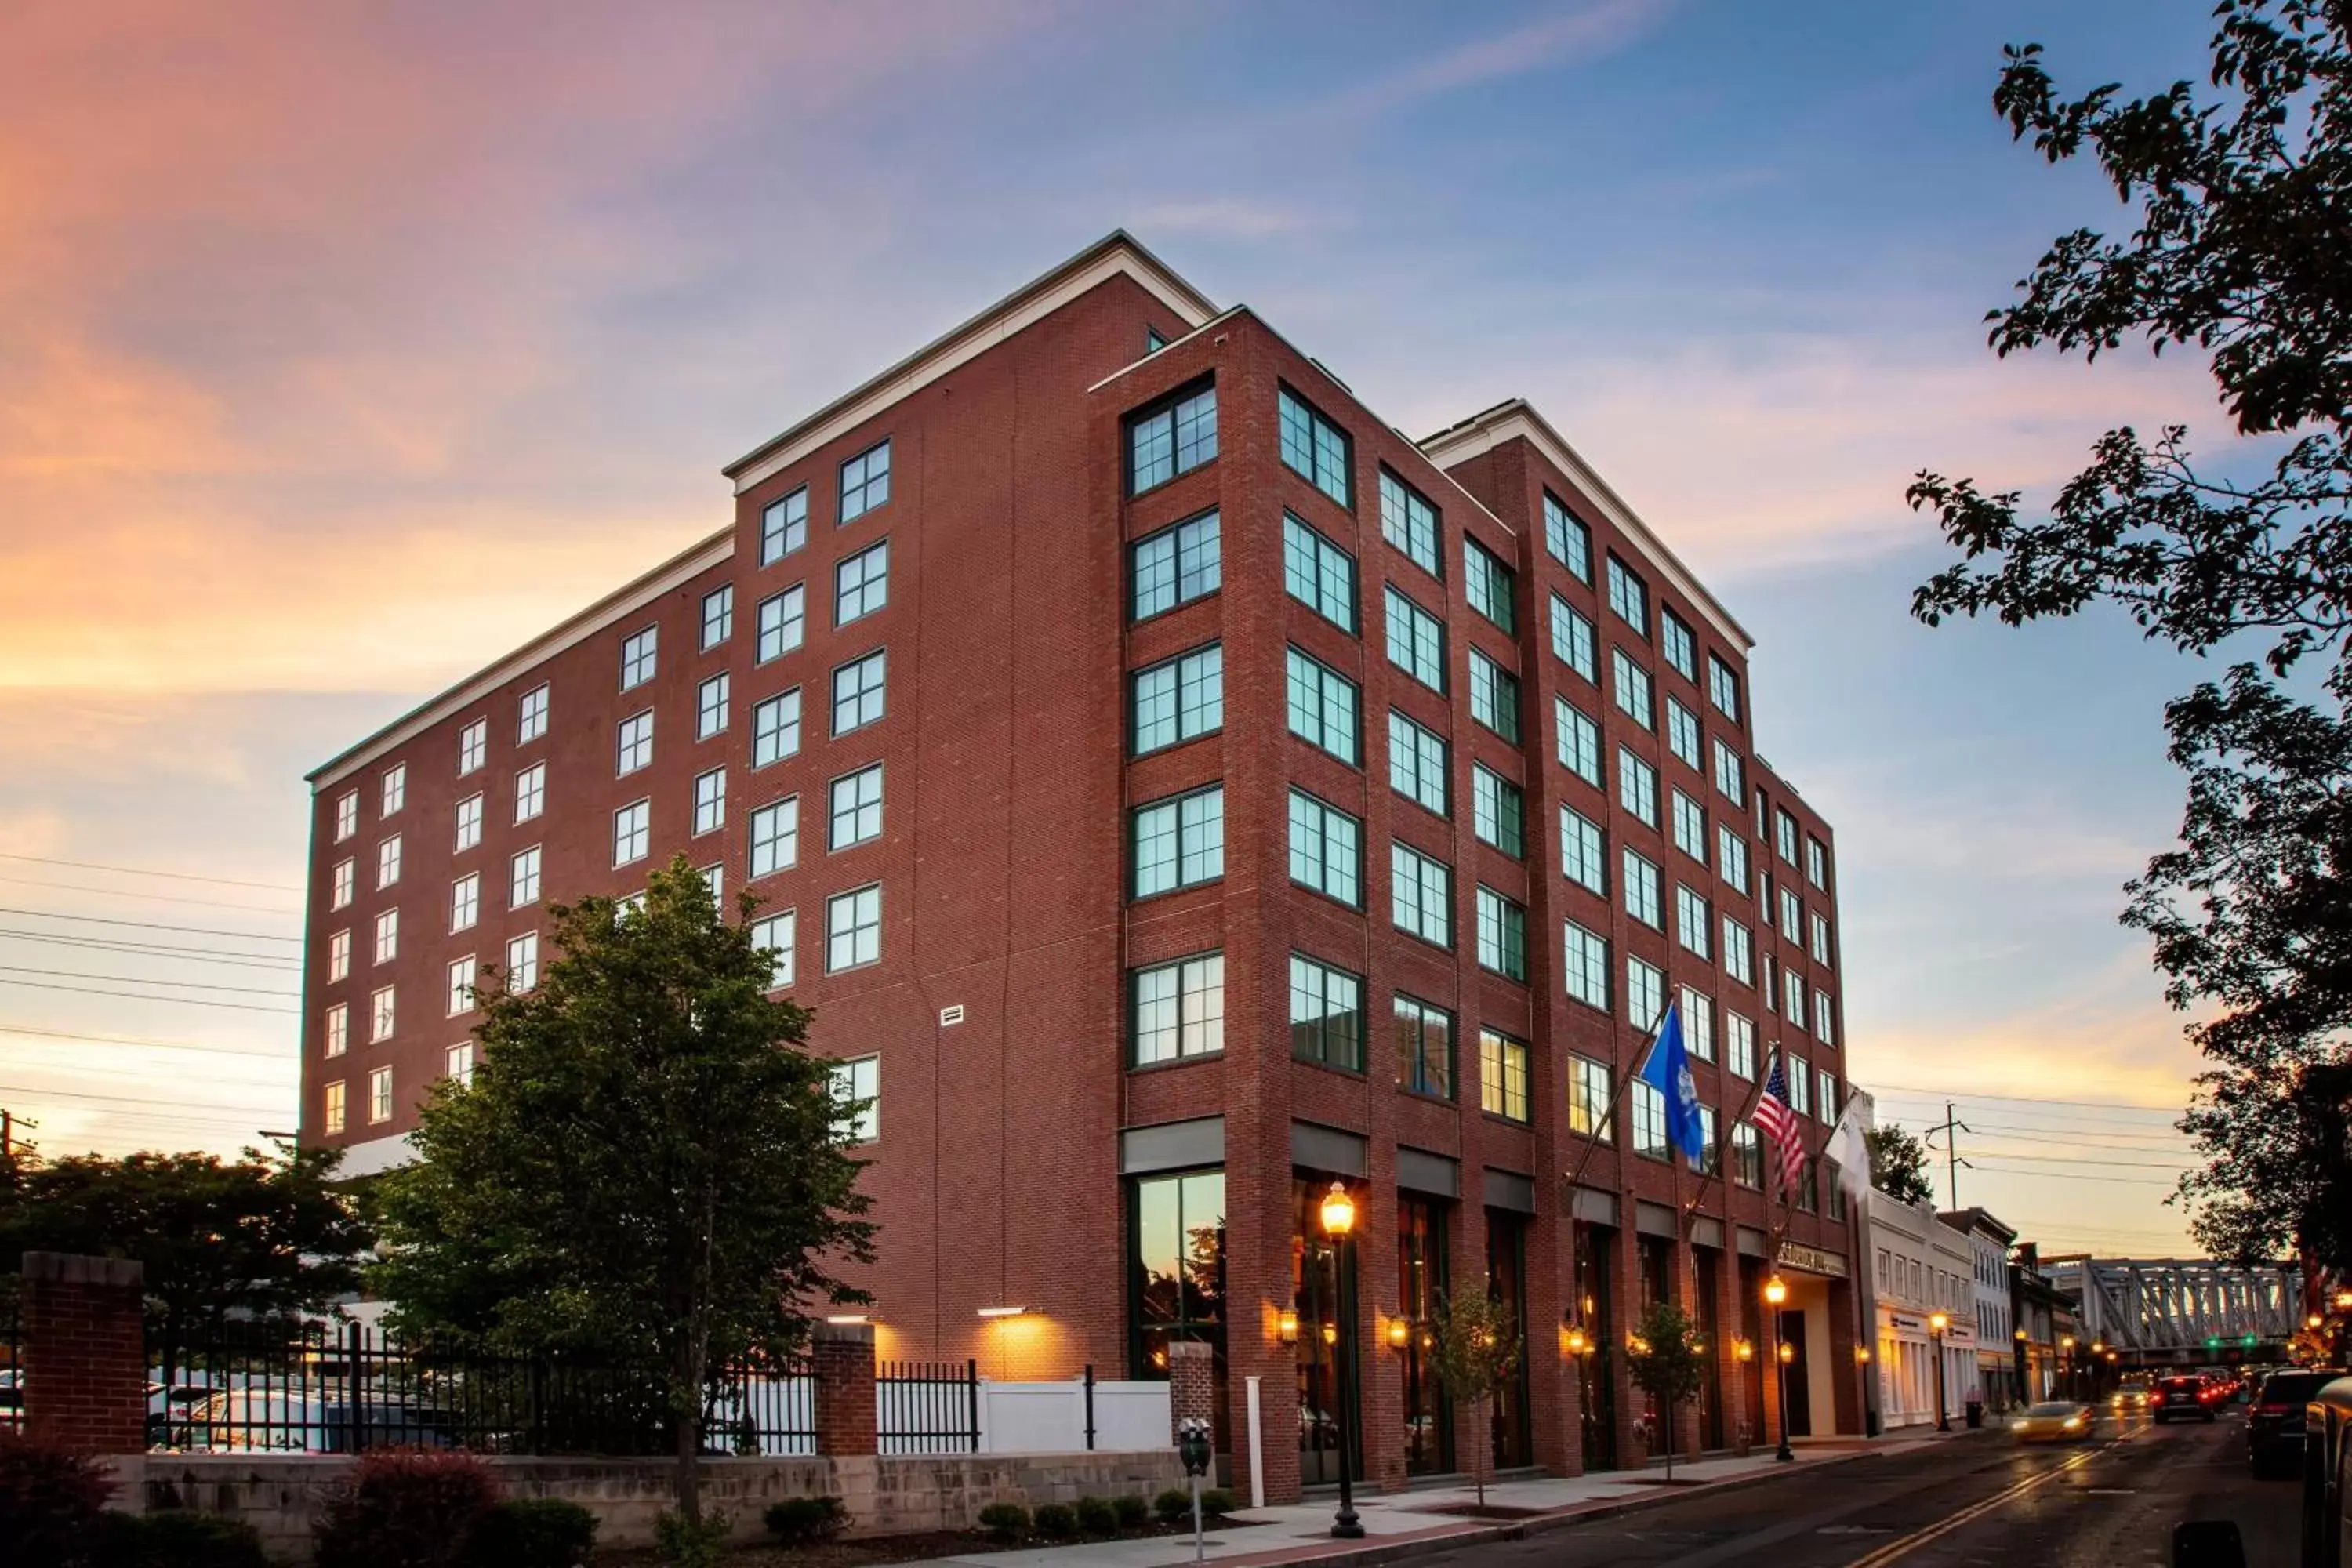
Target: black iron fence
[
  {"x": 927, "y": 1408},
  {"x": 339, "y": 1388}
]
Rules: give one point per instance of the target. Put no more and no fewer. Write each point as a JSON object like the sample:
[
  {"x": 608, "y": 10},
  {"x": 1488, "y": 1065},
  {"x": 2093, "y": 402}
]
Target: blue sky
[{"x": 345, "y": 350}]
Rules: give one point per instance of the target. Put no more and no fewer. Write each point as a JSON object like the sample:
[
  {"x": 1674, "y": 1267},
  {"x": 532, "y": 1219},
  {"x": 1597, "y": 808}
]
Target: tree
[
  {"x": 646, "y": 1165},
  {"x": 1898, "y": 1164},
  {"x": 1665, "y": 1362},
  {"x": 2242, "y": 252},
  {"x": 263, "y": 1236},
  {"x": 1476, "y": 1349}
]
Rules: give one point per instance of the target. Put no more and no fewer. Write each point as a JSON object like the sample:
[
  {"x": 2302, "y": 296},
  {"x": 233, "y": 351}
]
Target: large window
[
  {"x": 1698, "y": 1024},
  {"x": 857, "y": 1089},
  {"x": 1410, "y": 522},
  {"x": 530, "y": 715},
  {"x": 1417, "y": 641},
  {"x": 1572, "y": 640},
  {"x": 1692, "y": 922},
  {"x": 632, "y": 832},
  {"x": 1425, "y": 1047},
  {"x": 1314, "y": 449},
  {"x": 1502, "y": 935},
  {"x": 1817, "y": 863},
  {"x": 1630, "y": 684},
  {"x": 1587, "y": 966},
  {"x": 473, "y": 746},
  {"x": 1174, "y": 567},
  {"x": 783, "y": 527},
  {"x": 718, "y": 615},
  {"x": 1502, "y": 1075},
  {"x": 1327, "y": 849},
  {"x": 857, "y": 693},
  {"x": 1738, "y": 951},
  {"x": 1579, "y": 741},
  {"x": 853, "y": 808},
  {"x": 1318, "y": 573},
  {"x": 1177, "y": 1267},
  {"x": 710, "y": 801},
  {"x": 1588, "y": 1098},
  {"x": 1739, "y": 1044},
  {"x": 1421, "y": 895},
  {"x": 710, "y": 704},
  {"x": 1641, "y": 900},
  {"x": 1730, "y": 778},
  {"x": 1566, "y": 537},
  {"x": 776, "y": 837},
  {"x": 1784, "y": 836},
  {"x": 864, "y": 482},
  {"x": 853, "y": 928},
  {"x": 782, "y": 618},
  {"x": 1494, "y": 697},
  {"x": 1172, "y": 438},
  {"x": 1582, "y": 858},
  {"x": 638, "y": 654},
  {"x": 1498, "y": 811},
  {"x": 1180, "y": 843},
  {"x": 523, "y": 878},
  {"x": 1637, "y": 786},
  {"x": 1731, "y": 855},
  {"x": 1327, "y": 1015},
  {"x": 1747, "y": 1156},
  {"x": 1682, "y": 734},
  {"x": 1674, "y": 640},
  {"x": 1645, "y": 993},
  {"x": 1180, "y": 698},
  {"x": 1629, "y": 597},
  {"x": 861, "y": 584},
  {"x": 1323, "y": 707},
  {"x": 530, "y": 792},
  {"x": 1722, "y": 686},
  {"x": 635, "y": 742},
  {"x": 1648, "y": 1108},
  {"x": 1491, "y": 587},
  {"x": 1416, "y": 763},
  {"x": 1690, "y": 827},
  {"x": 469, "y": 825},
  {"x": 1179, "y": 1009},
  {"x": 775, "y": 936},
  {"x": 776, "y": 728}
]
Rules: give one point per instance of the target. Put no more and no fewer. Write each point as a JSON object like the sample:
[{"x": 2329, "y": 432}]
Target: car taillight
[{"x": 2275, "y": 1409}]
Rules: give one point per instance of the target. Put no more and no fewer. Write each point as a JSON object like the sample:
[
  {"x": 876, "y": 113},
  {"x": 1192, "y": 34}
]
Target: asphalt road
[{"x": 1980, "y": 1501}]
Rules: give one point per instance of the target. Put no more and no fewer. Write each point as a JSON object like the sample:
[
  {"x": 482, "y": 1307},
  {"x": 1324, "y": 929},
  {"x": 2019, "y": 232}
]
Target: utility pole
[
  {"x": 9, "y": 1141},
  {"x": 1951, "y": 1127}
]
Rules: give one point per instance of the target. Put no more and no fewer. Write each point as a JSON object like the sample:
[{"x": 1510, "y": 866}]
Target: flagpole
[
  {"x": 1602, "y": 1127},
  {"x": 1723, "y": 1142}
]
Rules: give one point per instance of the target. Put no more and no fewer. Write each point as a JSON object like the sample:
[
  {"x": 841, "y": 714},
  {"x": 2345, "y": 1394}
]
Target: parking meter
[{"x": 1192, "y": 1448}]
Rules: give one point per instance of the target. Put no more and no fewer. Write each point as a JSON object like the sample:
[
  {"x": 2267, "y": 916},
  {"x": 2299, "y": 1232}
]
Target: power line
[
  {"x": 146, "y": 980},
  {"x": 137, "y": 996},
  {"x": 151, "y": 925},
  {"x": 2125, "y": 1181},
  {"x": 143, "y": 871},
  {"x": 151, "y": 898},
  {"x": 110, "y": 1099},
  {"x": 157, "y": 950},
  {"x": 135, "y": 1040},
  {"x": 2076, "y": 1159},
  {"x": 1939, "y": 1094}
]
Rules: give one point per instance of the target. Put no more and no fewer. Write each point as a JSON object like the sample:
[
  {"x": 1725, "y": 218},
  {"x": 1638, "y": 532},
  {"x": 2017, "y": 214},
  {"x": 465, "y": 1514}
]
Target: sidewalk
[{"x": 1406, "y": 1525}]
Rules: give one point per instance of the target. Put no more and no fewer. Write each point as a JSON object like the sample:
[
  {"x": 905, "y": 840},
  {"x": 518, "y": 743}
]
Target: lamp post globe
[
  {"x": 1337, "y": 1213},
  {"x": 1775, "y": 1292},
  {"x": 1937, "y": 1323}
]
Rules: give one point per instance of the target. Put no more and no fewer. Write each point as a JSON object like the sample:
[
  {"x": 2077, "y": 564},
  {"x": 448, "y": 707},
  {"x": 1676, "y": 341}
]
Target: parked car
[
  {"x": 2275, "y": 1426},
  {"x": 2055, "y": 1421},
  {"x": 2183, "y": 1398},
  {"x": 2328, "y": 1477},
  {"x": 278, "y": 1420}
]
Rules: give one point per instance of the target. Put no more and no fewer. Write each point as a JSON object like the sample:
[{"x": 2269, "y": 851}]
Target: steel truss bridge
[{"x": 2180, "y": 1310}]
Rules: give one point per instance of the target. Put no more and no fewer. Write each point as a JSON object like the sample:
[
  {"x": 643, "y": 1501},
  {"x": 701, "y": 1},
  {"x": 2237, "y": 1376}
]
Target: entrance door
[
  {"x": 1596, "y": 1382},
  {"x": 1507, "y": 1274},
  {"x": 1798, "y": 1384},
  {"x": 1325, "y": 1340},
  {"x": 1706, "y": 1282}
]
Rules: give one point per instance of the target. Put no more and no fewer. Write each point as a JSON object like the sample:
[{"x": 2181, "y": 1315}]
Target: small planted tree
[
  {"x": 1476, "y": 1351},
  {"x": 1666, "y": 1363}
]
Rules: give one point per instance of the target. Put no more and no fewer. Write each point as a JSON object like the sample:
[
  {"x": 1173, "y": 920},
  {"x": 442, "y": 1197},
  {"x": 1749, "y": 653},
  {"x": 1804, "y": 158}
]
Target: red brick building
[{"x": 1174, "y": 790}]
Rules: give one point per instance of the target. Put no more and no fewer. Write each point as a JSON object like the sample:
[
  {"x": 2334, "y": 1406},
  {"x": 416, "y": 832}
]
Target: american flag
[{"x": 1782, "y": 1125}]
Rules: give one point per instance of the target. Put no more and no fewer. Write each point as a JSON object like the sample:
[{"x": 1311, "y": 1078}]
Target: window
[
  {"x": 1645, "y": 993},
  {"x": 635, "y": 742},
  {"x": 1800, "y": 1086},
  {"x": 1825, "y": 1103},
  {"x": 1566, "y": 537},
  {"x": 710, "y": 705},
  {"x": 632, "y": 832},
  {"x": 1690, "y": 827},
  {"x": 1693, "y": 922},
  {"x": 1785, "y": 836},
  {"x": 459, "y": 1062},
  {"x": 522, "y": 963},
  {"x": 1649, "y": 1109},
  {"x": 1722, "y": 686},
  {"x": 853, "y": 928},
  {"x": 1318, "y": 573},
  {"x": 776, "y": 837},
  {"x": 1637, "y": 786},
  {"x": 1172, "y": 439},
  {"x": 776, "y": 728},
  {"x": 783, "y": 527},
  {"x": 387, "y": 861},
  {"x": 1417, "y": 768},
  {"x": 395, "y": 788},
  {"x": 1817, "y": 864},
  {"x": 1497, "y": 812},
  {"x": 1174, "y": 567},
  {"x": 1698, "y": 1024},
  {"x": 461, "y": 984},
  {"x": 1502, "y": 935},
  {"x": 1417, "y": 641},
  {"x": 1494, "y": 697},
  {"x": 1409, "y": 523},
  {"x": 1582, "y": 858},
  {"x": 783, "y": 617},
  {"x": 346, "y": 814},
  {"x": 1502, "y": 1076},
  {"x": 864, "y": 482},
  {"x": 1730, "y": 776},
  {"x": 1425, "y": 1047},
  {"x": 465, "y": 902},
  {"x": 857, "y": 1089},
  {"x": 710, "y": 801},
  {"x": 387, "y": 936},
  {"x": 1586, "y": 967},
  {"x": 1630, "y": 684},
  {"x": 473, "y": 745},
  {"x": 1629, "y": 597},
  {"x": 1491, "y": 587},
  {"x": 339, "y": 1030},
  {"x": 1739, "y": 1044},
  {"x": 1792, "y": 916},
  {"x": 1822, "y": 1013},
  {"x": 1328, "y": 849},
  {"x": 1179, "y": 1009},
  {"x": 1792, "y": 997},
  {"x": 718, "y": 615},
  {"x": 1642, "y": 900},
  {"x": 332, "y": 1110},
  {"x": 346, "y": 883},
  {"x": 1674, "y": 640},
  {"x": 1327, "y": 1015},
  {"x": 1179, "y": 700},
  {"x": 338, "y": 955},
  {"x": 861, "y": 584},
  {"x": 1323, "y": 707},
  {"x": 381, "y": 1015},
  {"x": 1421, "y": 895},
  {"x": 773, "y": 935},
  {"x": 1314, "y": 449},
  {"x": 470, "y": 823},
  {"x": 380, "y": 1095},
  {"x": 530, "y": 792},
  {"x": 1738, "y": 951},
  {"x": 1589, "y": 1095},
  {"x": 1573, "y": 641},
  {"x": 530, "y": 715},
  {"x": 1747, "y": 1156},
  {"x": 523, "y": 878},
  {"x": 1682, "y": 734},
  {"x": 637, "y": 655},
  {"x": 1731, "y": 855},
  {"x": 1180, "y": 843},
  {"x": 1579, "y": 741},
  {"x": 857, "y": 693},
  {"x": 854, "y": 811}
]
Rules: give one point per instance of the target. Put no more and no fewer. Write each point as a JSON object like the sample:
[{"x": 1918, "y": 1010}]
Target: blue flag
[{"x": 1668, "y": 1070}]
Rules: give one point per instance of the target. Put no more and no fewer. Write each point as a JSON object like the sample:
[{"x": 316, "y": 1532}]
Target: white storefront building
[
  {"x": 1989, "y": 1245},
  {"x": 1920, "y": 1266}
]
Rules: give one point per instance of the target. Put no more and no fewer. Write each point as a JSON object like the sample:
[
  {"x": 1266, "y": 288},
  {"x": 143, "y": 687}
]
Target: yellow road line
[{"x": 1918, "y": 1538}]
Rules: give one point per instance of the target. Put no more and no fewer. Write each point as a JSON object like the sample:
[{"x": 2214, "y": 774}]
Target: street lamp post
[
  {"x": 1937, "y": 1323},
  {"x": 2066, "y": 1364},
  {"x": 1775, "y": 1292},
  {"x": 1338, "y": 1216}
]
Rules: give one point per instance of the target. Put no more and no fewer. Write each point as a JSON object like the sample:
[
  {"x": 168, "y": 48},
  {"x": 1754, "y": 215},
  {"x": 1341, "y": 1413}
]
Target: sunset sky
[{"x": 342, "y": 348}]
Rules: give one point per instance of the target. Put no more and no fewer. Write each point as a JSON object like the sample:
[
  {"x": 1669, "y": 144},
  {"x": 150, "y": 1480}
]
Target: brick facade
[
  {"x": 842, "y": 1367},
  {"x": 85, "y": 1352}
]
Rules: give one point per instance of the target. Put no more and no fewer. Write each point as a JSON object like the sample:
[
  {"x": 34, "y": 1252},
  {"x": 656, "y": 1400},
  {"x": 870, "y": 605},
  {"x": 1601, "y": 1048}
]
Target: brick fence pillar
[
  {"x": 1191, "y": 1383},
  {"x": 842, "y": 1354},
  {"x": 85, "y": 1352}
]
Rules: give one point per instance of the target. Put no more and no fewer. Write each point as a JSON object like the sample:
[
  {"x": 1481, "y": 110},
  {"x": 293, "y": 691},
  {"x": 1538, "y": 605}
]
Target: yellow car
[{"x": 2055, "y": 1421}]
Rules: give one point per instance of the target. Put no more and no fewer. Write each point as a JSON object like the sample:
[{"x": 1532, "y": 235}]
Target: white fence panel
[
  {"x": 1051, "y": 1418},
  {"x": 1132, "y": 1417}
]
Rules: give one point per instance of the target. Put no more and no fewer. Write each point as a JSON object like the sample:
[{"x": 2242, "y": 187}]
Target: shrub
[
  {"x": 1131, "y": 1511},
  {"x": 682, "y": 1542},
  {"x": 532, "y": 1532},
  {"x": 48, "y": 1499},
  {"x": 173, "y": 1538},
  {"x": 1057, "y": 1520},
  {"x": 1096, "y": 1517},
  {"x": 802, "y": 1521},
  {"x": 1005, "y": 1521},
  {"x": 405, "y": 1508},
  {"x": 1216, "y": 1503},
  {"x": 1173, "y": 1505}
]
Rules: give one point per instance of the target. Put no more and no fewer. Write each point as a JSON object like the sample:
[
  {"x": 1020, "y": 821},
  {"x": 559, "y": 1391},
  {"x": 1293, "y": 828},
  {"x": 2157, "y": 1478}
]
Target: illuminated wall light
[{"x": 1002, "y": 1312}]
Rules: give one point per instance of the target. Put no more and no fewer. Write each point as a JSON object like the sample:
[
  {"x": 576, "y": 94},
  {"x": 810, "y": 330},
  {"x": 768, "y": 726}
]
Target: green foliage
[
  {"x": 1056, "y": 1521},
  {"x": 2241, "y": 198},
  {"x": 532, "y": 1532},
  {"x": 175, "y": 1537},
  {"x": 647, "y": 1165},
  {"x": 1096, "y": 1517},
  {"x": 1131, "y": 1511},
  {"x": 1172, "y": 1504},
  {"x": 50, "y": 1500},
  {"x": 404, "y": 1508},
  {"x": 1005, "y": 1521},
  {"x": 1898, "y": 1164},
  {"x": 1474, "y": 1349},
  {"x": 1665, "y": 1362},
  {"x": 1216, "y": 1503},
  {"x": 801, "y": 1520},
  {"x": 692, "y": 1540}
]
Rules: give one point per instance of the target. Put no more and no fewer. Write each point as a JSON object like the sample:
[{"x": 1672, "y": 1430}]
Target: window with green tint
[
  {"x": 1579, "y": 741},
  {"x": 1723, "y": 688},
  {"x": 1327, "y": 849},
  {"x": 1642, "y": 895},
  {"x": 1497, "y": 811},
  {"x": 1693, "y": 919},
  {"x": 1637, "y": 786},
  {"x": 1674, "y": 640},
  {"x": 1649, "y": 1113},
  {"x": 1630, "y": 684},
  {"x": 1318, "y": 573},
  {"x": 1645, "y": 993},
  {"x": 1731, "y": 776},
  {"x": 1682, "y": 734},
  {"x": 1690, "y": 827},
  {"x": 1180, "y": 698},
  {"x": 1323, "y": 706},
  {"x": 1417, "y": 769},
  {"x": 1179, "y": 1009},
  {"x": 1572, "y": 642},
  {"x": 1502, "y": 1075},
  {"x": 1584, "y": 857},
  {"x": 1502, "y": 934},
  {"x": 1494, "y": 697},
  {"x": 1425, "y": 1047},
  {"x": 1177, "y": 1267},
  {"x": 1491, "y": 587},
  {"x": 1587, "y": 966},
  {"x": 1421, "y": 895},
  {"x": 1731, "y": 855},
  {"x": 1180, "y": 843},
  {"x": 1175, "y": 566},
  {"x": 1566, "y": 537},
  {"x": 1409, "y": 523},
  {"x": 1314, "y": 449},
  {"x": 1327, "y": 1015},
  {"x": 1174, "y": 437},
  {"x": 1417, "y": 641},
  {"x": 1629, "y": 597}
]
